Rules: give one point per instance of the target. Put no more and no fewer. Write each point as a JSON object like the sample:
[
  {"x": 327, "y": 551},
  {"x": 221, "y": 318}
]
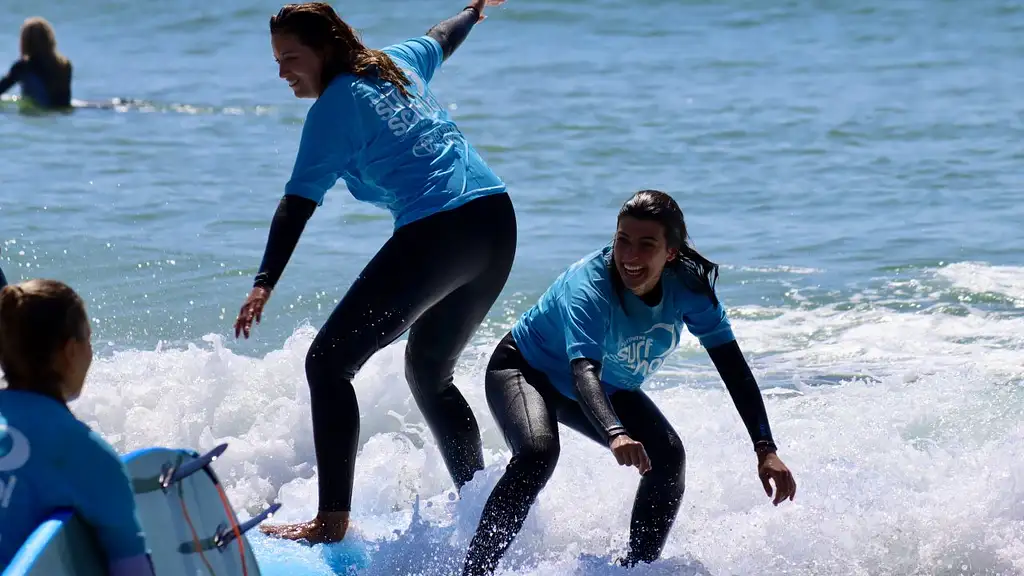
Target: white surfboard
[{"x": 190, "y": 526}]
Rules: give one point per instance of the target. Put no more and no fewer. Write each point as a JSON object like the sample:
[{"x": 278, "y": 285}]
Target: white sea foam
[{"x": 905, "y": 432}]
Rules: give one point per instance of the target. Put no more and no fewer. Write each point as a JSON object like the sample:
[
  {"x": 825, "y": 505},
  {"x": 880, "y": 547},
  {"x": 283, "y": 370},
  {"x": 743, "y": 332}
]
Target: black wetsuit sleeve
[
  {"x": 733, "y": 368},
  {"x": 451, "y": 32},
  {"x": 13, "y": 76},
  {"x": 64, "y": 97},
  {"x": 289, "y": 220},
  {"x": 592, "y": 399}
]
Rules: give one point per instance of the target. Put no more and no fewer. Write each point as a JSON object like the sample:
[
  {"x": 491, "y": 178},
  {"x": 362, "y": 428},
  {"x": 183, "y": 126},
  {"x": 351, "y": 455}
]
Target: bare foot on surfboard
[{"x": 326, "y": 528}]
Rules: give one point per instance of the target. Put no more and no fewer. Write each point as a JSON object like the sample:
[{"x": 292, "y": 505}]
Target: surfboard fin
[
  {"x": 225, "y": 535},
  {"x": 185, "y": 470},
  {"x": 174, "y": 473}
]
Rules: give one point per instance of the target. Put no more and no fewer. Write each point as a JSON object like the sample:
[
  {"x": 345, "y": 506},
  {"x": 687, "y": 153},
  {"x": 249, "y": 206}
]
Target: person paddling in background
[
  {"x": 48, "y": 458},
  {"x": 43, "y": 72},
  {"x": 580, "y": 356},
  {"x": 377, "y": 125}
]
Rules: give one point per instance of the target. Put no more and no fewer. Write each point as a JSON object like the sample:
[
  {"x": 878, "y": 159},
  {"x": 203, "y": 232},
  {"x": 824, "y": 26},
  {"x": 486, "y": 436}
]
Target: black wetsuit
[
  {"x": 3, "y": 279},
  {"x": 527, "y": 408},
  {"x": 46, "y": 84},
  {"x": 436, "y": 278}
]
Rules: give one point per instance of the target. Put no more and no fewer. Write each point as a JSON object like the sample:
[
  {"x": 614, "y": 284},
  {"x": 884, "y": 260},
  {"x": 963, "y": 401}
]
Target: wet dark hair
[
  {"x": 37, "y": 318},
  {"x": 699, "y": 273},
  {"x": 319, "y": 27},
  {"x": 38, "y": 42}
]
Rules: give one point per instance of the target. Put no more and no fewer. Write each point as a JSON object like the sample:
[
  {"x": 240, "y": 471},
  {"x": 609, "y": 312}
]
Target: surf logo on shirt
[
  {"x": 645, "y": 354},
  {"x": 433, "y": 141},
  {"x": 14, "y": 453},
  {"x": 402, "y": 114}
]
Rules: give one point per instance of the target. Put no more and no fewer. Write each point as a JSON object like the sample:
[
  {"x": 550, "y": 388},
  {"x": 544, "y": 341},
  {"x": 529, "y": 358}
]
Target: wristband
[{"x": 262, "y": 280}]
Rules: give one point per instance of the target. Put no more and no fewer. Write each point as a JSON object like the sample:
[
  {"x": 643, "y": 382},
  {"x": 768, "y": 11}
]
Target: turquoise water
[{"x": 855, "y": 168}]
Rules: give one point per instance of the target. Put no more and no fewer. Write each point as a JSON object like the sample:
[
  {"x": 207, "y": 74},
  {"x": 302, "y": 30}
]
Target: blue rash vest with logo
[
  {"x": 581, "y": 316},
  {"x": 402, "y": 154}
]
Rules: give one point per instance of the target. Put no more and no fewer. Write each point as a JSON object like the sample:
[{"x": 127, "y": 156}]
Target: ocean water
[{"x": 855, "y": 167}]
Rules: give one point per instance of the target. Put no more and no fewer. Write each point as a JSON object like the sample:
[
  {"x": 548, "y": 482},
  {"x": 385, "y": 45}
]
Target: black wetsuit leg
[
  {"x": 3, "y": 279},
  {"x": 661, "y": 489},
  {"x": 439, "y": 277},
  {"x": 526, "y": 407}
]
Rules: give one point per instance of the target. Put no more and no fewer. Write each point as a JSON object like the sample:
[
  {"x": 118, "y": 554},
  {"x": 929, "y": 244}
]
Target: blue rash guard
[
  {"x": 51, "y": 460},
  {"x": 580, "y": 316},
  {"x": 402, "y": 154}
]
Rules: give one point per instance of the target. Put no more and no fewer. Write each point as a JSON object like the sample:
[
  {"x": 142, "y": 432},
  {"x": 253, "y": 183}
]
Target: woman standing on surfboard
[
  {"x": 49, "y": 459},
  {"x": 376, "y": 124},
  {"x": 580, "y": 356}
]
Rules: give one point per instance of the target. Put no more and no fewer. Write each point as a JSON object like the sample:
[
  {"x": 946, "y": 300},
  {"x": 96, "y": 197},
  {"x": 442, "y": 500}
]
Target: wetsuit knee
[
  {"x": 335, "y": 411},
  {"x": 329, "y": 365},
  {"x": 669, "y": 457},
  {"x": 536, "y": 460},
  {"x": 657, "y": 500},
  {"x": 425, "y": 369},
  {"x": 506, "y": 509}
]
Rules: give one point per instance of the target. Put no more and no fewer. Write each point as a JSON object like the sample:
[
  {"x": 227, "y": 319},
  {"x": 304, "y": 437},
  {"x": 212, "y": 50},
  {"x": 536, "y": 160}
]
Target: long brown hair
[
  {"x": 39, "y": 43},
  {"x": 319, "y": 27},
  {"x": 37, "y": 318}
]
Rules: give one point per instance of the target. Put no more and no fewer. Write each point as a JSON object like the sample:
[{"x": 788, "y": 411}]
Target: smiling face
[
  {"x": 301, "y": 66},
  {"x": 641, "y": 252}
]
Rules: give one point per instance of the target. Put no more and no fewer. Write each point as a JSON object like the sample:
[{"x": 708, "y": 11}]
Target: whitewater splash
[{"x": 904, "y": 426}]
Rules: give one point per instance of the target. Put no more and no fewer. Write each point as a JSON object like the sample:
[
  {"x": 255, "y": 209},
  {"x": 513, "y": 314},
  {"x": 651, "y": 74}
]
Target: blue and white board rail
[{"x": 189, "y": 524}]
